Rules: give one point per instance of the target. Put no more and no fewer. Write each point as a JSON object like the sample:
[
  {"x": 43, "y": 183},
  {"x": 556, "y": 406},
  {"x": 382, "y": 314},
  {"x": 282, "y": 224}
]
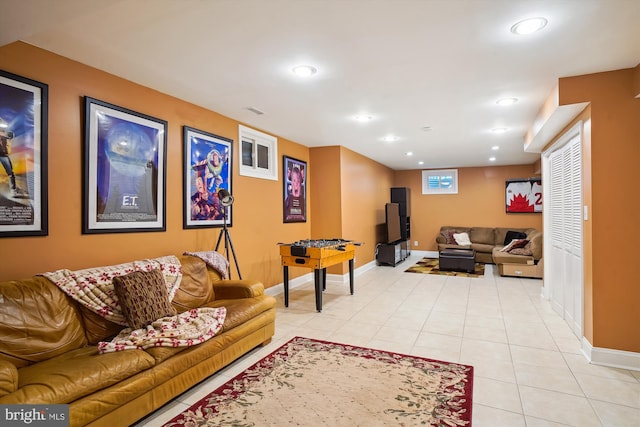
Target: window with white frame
[
  {"x": 258, "y": 154},
  {"x": 441, "y": 181}
]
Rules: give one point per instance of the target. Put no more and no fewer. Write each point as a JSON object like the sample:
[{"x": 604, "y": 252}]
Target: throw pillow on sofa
[
  {"x": 462, "y": 239},
  {"x": 512, "y": 235},
  {"x": 448, "y": 237},
  {"x": 515, "y": 244},
  {"x": 143, "y": 297},
  {"x": 526, "y": 250}
]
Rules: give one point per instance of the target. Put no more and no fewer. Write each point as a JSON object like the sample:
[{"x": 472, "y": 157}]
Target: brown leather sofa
[
  {"x": 48, "y": 348},
  {"x": 487, "y": 242}
]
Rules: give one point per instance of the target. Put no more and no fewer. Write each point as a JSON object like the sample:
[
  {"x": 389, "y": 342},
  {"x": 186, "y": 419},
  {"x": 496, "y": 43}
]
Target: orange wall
[
  {"x": 614, "y": 153},
  {"x": 349, "y": 193},
  {"x": 480, "y": 202},
  {"x": 365, "y": 190},
  {"x": 257, "y": 212},
  {"x": 326, "y": 204}
]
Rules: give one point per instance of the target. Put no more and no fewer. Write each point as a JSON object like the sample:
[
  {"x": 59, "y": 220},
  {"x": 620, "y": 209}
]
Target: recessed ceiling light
[
  {"x": 492, "y": 159},
  {"x": 390, "y": 138},
  {"x": 528, "y": 26},
  {"x": 363, "y": 118},
  {"x": 495, "y": 148},
  {"x": 304, "y": 70},
  {"x": 507, "y": 101},
  {"x": 421, "y": 162},
  {"x": 499, "y": 130},
  {"x": 409, "y": 153}
]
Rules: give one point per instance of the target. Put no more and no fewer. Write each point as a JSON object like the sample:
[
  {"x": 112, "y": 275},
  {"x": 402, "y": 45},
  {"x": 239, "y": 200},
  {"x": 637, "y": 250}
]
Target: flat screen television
[{"x": 392, "y": 215}]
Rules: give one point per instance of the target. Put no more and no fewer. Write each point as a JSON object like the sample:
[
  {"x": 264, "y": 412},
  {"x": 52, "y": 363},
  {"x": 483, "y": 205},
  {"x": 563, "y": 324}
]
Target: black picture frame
[
  {"x": 207, "y": 168},
  {"x": 124, "y": 171},
  {"x": 294, "y": 177},
  {"x": 23, "y": 156},
  {"x": 523, "y": 195}
]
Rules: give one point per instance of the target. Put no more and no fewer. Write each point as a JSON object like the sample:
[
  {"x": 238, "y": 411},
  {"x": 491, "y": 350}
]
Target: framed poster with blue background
[
  {"x": 124, "y": 170},
  {"x": 207, "y": 170},
  {"x": 23, "y": 156}
]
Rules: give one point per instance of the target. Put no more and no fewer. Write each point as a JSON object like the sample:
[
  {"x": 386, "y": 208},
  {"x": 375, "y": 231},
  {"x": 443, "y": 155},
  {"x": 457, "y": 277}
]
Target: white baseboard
[
  {"x": 427, "y": 254},
  {"x": 344, "y": 278},
  {"x": 612, "y": 358},
  {"x": 293, "y": 283},
  {"x": 306, "y": 278}
]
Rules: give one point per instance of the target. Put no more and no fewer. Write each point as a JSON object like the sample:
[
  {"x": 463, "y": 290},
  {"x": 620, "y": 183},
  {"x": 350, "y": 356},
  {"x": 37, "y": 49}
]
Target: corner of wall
[
  {"x": 537, "y": 167},
  {"x": 609, "y": 357},
  {"x": 636, "y": 82}
]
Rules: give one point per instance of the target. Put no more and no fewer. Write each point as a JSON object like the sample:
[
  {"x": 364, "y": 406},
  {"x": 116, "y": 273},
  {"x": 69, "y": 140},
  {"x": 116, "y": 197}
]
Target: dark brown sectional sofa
[{"x": 488, "y": 242}]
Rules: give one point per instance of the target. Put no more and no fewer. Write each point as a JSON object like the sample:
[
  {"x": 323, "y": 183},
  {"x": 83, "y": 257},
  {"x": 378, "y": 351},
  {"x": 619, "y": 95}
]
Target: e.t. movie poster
[{"x": 125, "y": 161}]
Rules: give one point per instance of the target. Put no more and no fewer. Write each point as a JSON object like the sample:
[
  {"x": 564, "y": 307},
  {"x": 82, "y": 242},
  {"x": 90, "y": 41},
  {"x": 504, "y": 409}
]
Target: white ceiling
[{"x": 407, "y": 63}]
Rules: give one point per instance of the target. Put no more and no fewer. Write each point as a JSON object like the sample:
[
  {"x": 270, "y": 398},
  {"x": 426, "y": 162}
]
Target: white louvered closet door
[{"x": 564, "y": 266}]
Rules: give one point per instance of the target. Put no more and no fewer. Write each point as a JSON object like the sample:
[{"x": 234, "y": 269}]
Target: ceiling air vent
[{"x": 255, "y": 110}]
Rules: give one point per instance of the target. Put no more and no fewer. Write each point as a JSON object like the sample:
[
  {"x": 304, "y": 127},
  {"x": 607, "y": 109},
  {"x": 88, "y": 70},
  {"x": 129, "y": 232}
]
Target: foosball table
[{"x": 318, "y": 255}]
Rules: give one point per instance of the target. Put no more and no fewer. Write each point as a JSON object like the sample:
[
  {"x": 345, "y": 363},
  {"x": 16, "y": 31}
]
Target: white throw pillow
[{"x": 462, "y": 239}]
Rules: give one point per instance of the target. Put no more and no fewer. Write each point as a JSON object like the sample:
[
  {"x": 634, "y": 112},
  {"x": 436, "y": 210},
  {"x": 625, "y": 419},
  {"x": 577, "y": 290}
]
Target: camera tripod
[{"x": 228, "y": 243}]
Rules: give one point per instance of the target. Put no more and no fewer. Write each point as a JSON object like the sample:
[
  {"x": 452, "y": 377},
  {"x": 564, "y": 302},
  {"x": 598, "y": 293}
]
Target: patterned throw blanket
[
  {"x": 93, "y": 288},
  {"x": 214, "y": 260}
]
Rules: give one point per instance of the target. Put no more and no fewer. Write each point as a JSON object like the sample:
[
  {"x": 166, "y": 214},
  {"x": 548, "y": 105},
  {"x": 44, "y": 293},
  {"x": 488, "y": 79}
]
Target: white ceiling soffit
[{"x": 550, "y": 121}]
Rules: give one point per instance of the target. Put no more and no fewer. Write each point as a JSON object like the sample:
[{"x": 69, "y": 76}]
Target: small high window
[
  {"x": 258, "y": 154},
  {"x": 441, "y": 181}
]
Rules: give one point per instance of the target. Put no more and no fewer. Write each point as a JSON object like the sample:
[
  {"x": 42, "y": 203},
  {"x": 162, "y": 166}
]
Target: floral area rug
[
  {"x": 309, "y": 382},
  {"x": 430, "y": 266}
]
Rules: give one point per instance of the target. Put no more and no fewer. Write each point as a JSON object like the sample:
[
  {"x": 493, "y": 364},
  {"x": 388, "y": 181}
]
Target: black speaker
[
  {"x": 405, "y": 227},
  {"x": 402, "y": 196}
]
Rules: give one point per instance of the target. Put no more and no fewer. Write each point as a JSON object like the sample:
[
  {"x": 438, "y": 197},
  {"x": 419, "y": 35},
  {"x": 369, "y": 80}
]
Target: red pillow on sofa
[
  {"x": 448, "y": 237},
  {"x": 520, "y": 243},
  {"x": 526, "y": 250}
]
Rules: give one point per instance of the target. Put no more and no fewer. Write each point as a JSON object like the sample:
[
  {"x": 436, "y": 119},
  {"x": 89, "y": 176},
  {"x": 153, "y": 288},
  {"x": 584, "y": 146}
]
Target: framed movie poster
[
  {"x": 524, "y": 195},
  {"x": 124, "y": 170},
  {"x": 295, "y": 190},
  {"x": 207, "y": 170},
  {"x": 23, "y": 156}
]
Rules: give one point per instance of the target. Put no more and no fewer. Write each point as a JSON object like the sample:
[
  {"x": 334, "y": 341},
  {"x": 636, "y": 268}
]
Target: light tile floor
[{"x": 529, "y": 370}]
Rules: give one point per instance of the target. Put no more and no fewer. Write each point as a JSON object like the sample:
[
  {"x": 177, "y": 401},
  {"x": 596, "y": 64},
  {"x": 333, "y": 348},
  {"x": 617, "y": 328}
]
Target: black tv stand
[{"x": 392, "y": 253}]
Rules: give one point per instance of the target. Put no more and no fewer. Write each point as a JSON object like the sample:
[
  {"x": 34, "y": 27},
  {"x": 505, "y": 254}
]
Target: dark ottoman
[{"x": 463, "y": 260}]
